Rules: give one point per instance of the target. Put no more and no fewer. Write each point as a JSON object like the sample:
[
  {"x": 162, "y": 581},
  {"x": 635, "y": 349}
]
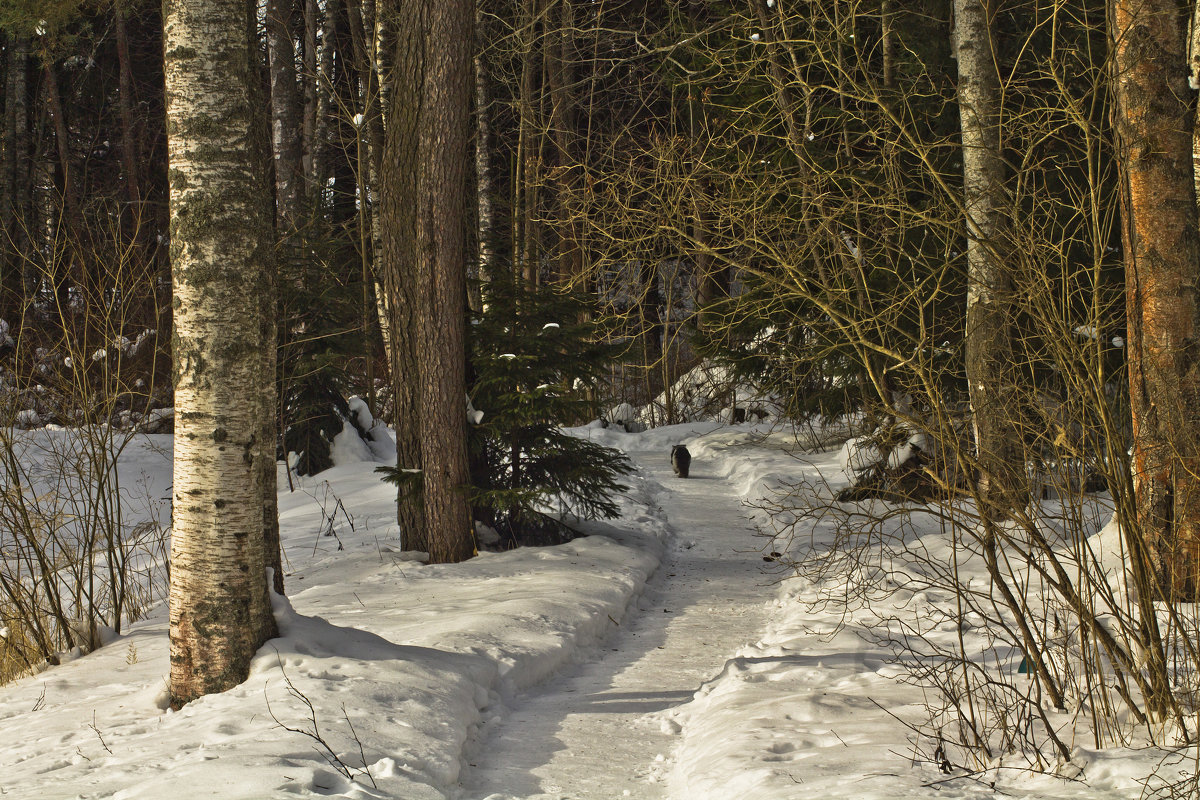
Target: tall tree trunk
[
  {"x": 62, "y": 142},
  {"x": 129, "y": 149},
  {"x": 1160, "y": 240},
  {"x": 326, "y": 105},
  {"x": 72, "y": 221},
  {"x": 485, "y": 214},
  {"x": 67, "y": 266},
  {"x": 1162, "y": 256},
  {"x": 712, "y": 280},
  {"x": 397, "y": 263},
  {"x": 287, "y": 112},
  {"x": 560, "y": 57},
  {"x": 312, "y": 19},
  {"x": 370, "y": 142},
  {"x": 383, "y": 53},
  {"x": 989, "y": 353},
  {"x": 220, "y": 252},
  {"x": 16, "y": 202},
  {"x": 526, "y": 238},
  {"x": 887, "y": 43},
  {"x": 287, "y": 155},
  {"x": 783, "y": 92},
  {"x": 441, "y": 245},
  {"x": 650, "y": 321}
]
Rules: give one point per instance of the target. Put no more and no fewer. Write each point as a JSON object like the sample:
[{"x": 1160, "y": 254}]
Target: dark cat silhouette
[{"x": 681, "y": 460}]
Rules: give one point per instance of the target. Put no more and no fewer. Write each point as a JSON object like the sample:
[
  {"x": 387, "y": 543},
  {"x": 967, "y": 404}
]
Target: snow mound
[{"x": 709, "y": 393}]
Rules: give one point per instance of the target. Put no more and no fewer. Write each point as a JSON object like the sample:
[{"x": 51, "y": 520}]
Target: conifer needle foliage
[
  {"x": 538, "y": 359},
  {"x": 317, "y": 340}
]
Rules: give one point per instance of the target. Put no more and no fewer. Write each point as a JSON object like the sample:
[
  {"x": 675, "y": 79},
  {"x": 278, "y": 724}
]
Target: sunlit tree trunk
[
  {"x": 423, "y": 188},
  {"x": 220, "y": 257},
  {"x": 326, "y": 105},
  {"x": 1153, "y": 116},
  {"x": 989, "y": 354},
  {"x": 369, "y": 144}
]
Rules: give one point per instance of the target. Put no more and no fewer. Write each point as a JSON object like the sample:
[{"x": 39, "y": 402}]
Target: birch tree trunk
[
  {"x": 1152, "y": 117},
  {"x": 220, "y": 253},
  {"x": 485, "y": 215},
  {"x": 989, "y": 351}
]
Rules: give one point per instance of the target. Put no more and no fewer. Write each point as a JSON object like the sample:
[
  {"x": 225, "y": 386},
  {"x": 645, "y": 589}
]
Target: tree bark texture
[
  {"x": 371, "y": 138},
  {"x": 322, "y": 141},
  {"x": 484, "y": 185},
  {"x": 287, "y": 114},
  {"x": 309, "y": 69},
  {"x": 1162, "y": 259},
  {"x": 129, "y": 148},
  {"x": 526, "y": 236},
  {"x": 442, "y": 255},
  {"x": 783, "y": 93},
  {"x": 397, "y": 265},
  {"x": 989, "y": 354},
  {"x": 560, "y": 59},
  {"x": 220, "y": 255},
  {"x": 16, "y": 203},
  {"x": 62, "y": 140},
  {"x": 292, "y": 195}
]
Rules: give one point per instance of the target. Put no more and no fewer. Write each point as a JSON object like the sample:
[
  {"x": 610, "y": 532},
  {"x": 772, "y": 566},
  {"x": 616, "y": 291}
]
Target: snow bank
[
  {"x": 404, "y": 660},
  {"x": 406, "y": 665},
  {"x": 817, "y": 707}
]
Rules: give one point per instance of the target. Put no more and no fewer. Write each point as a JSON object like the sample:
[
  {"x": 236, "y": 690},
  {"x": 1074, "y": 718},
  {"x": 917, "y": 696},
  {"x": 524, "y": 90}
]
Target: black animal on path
[{"x": 681, "y": 460}]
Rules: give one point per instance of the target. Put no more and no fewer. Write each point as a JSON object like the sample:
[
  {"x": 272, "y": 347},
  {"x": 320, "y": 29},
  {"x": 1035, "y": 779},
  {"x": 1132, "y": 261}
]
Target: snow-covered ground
[{"x": 660, "y": 657}]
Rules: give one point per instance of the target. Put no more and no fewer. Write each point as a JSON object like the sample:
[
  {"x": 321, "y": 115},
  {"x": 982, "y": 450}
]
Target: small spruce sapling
[{"x": 536, "y": 356}]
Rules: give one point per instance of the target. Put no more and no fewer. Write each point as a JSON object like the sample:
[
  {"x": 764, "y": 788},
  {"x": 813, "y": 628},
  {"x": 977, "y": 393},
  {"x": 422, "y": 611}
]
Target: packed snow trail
[{"x": 595, "y": 730}]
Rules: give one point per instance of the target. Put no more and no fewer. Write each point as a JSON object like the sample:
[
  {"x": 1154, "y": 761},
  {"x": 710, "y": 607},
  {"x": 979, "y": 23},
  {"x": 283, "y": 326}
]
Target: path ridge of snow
[{"x": 407, "y": 660}]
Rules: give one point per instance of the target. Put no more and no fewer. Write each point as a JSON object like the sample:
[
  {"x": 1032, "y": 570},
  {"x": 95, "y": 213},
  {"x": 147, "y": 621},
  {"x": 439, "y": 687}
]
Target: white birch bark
[
  {"x": 220, "y": 252},
  {"x": 988, "y": 333}
]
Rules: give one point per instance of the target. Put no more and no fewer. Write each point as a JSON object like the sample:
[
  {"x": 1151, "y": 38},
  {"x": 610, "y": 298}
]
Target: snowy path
[{"x": 593, "y": 731}]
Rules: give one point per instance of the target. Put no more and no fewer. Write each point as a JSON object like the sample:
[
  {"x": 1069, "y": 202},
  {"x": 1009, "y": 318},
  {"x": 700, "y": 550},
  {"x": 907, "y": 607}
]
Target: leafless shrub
[
  {"x": 72, "y": 561},
  {"x": 312, "y": 730}
]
